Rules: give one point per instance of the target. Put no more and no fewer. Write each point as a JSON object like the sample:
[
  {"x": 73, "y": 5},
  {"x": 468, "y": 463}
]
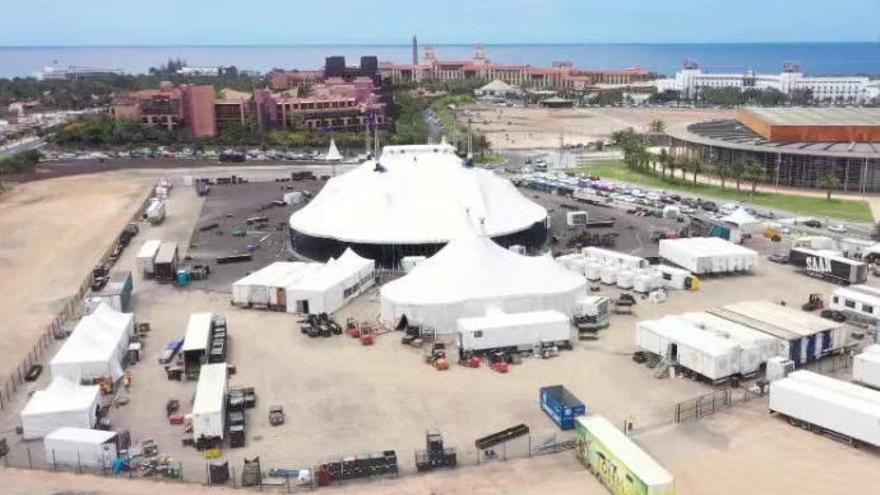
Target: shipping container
[
  {"x": 209, "y": 406},
  {"x": 708, "y": 255},
  {"x": 147, "y": 256},
  {"x": 561, "y": 405},
  {"x": 829, "y": 266},
  {"x": 841, "y": 407},
  {"x": 514, "y": 331},
  {"x": 621, "y": 465},
  {"x": 866, "y": 367}
]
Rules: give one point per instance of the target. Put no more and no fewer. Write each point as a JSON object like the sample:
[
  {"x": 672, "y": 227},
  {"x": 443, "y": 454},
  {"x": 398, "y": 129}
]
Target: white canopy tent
[
  {"x": 330, "y": 286},
  {"x": 414, "y": 195},
  {"x": 96, "y": 348},
  {"x": 333, "y": 154},
  {"x": 62, "y": 403},
  {"x": 472, "y": 273},
  {"x": 80, "y": 447},
  {"x": 743, "y": 220}
]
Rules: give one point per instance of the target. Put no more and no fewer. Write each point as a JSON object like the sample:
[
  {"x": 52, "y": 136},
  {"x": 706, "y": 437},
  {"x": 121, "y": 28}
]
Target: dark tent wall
[{"x": 389, "y": 255}]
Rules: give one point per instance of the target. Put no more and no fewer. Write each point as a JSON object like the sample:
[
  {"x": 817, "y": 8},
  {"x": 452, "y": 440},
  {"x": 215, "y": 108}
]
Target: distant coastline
[{"x": 817, "y": 58}]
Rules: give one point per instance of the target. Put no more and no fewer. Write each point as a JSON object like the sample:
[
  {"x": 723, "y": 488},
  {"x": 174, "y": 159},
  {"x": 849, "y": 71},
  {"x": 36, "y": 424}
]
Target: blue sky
[{"x": 219, "y": 22}]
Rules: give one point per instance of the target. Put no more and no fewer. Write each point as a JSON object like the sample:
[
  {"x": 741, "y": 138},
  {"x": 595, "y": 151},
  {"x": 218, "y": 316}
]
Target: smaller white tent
[
  {"x": 62, "y": 403},
  {"x": 333, "y": 154},
  {"x": 329, "y": 287},
  {"x": 743, "y": 219},
  {"x": 96, "y": 347},
  {"x": 80, "y": 447}
]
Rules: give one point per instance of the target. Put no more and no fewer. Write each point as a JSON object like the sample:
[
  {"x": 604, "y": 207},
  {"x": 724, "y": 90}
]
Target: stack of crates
[{"x": 435, "y": 456}]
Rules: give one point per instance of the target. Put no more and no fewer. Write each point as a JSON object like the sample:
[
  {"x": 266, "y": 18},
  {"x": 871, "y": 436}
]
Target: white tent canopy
[
  {"x": 414, "y": 195},
  {"x": 471, "y": 273},
  {"x": 327, "y": 288},
  {"x": 62, "y": 403},
  {"x": 742, "y": 219},
  {"x": 96, "y": 347},
  {"x": 333, "y": 154},
  {"x": 261, "y": 287},
  {"x": 84, "y": 447}
]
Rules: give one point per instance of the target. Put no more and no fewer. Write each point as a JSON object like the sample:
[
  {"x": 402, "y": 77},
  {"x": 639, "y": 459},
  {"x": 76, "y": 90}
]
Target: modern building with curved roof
[
  {"x": 411, "y": 202},
  {"x": 796, "y": 146}
]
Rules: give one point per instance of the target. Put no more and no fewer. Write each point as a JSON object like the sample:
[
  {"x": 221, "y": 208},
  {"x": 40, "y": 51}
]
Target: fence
[
  {"x": 72, "y": 310},
  {"x": 273, "y": 475}
]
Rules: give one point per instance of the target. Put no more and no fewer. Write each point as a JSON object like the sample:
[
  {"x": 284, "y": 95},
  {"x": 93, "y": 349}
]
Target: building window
[
  {"x": 849, "y": 304},
  {"x": 835, "y": 300},
  {"x": 478, "y": 334},
  {"x": 867, "y": 309}
]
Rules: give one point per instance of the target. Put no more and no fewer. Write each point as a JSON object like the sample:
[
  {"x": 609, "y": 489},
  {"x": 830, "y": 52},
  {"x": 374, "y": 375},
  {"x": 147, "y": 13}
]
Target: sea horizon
[{"x": 816, "y": 57}]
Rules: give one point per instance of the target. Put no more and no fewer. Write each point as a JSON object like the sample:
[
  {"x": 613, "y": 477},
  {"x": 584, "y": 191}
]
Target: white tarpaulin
[
  {"x": 743, "y": 219},
  {"x": 471, "y": 273},
  {"x": 329, "y": 287},
  {"x": 62, "y": 403},
  {"x": 415, "y": 195},
  {"x": 80, "y": 447},
  {"x": 96, "y": 347}
]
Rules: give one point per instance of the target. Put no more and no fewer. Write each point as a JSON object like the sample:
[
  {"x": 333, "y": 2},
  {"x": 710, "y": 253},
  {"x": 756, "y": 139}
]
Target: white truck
[{"x": 156, "y": 211}]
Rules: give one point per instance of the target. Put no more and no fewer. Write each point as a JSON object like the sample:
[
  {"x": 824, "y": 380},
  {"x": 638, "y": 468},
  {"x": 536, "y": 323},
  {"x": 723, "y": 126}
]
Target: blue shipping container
[{"x": 561, "y": 406}]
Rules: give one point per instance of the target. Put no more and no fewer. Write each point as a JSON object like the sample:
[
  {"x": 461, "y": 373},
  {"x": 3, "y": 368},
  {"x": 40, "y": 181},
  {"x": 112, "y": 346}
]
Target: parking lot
[{"x": 342, "y": 398}]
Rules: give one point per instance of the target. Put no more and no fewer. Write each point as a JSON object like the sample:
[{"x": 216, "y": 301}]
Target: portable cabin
[
  {"x": 196, "y": 343},
  {"x": 621, "y": 465},
  {"x": 755, "y": 347},
  {"x": 146, "y": 257},
  {"x": 514, "y": 331},
  {"x": 209, "y": 407},
  {"x": 80, "y": 448},
  {"x": 804, "y": 337},
  {"x": 165, "y": 264},
  {"x": 680, "y": 342},
  {"x": 708, "y": 255},
  {"x": 860, "y": 302}
]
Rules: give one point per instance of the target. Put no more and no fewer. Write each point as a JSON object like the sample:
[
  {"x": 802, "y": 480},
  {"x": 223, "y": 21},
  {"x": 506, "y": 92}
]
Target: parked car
[
  {"x": 709, "y": 206},
  {"x": 837, "y": 228},
  {"x": 815, "y": 224},
  {"x": 778, "y": 258}
]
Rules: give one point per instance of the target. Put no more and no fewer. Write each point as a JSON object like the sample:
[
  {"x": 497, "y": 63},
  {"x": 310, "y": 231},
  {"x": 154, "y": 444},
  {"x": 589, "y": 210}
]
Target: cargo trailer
[
  {"x": 829, "y": 266},
  {"x": 80, "y": 448},
  {"x": 621, "y": 465},
  {"x": 165, "y": 264},
  {"x": 866, "y": 367},
  {"x": 209, "y": 407},
  {"x": 680, "y": 342},
  {"x": 520, "y": 331},
  {"x": 147, "y": 256},
  {"x": 561, "y": 405},
  {"x": 803, "y": 337},
  {"x": 832, "y": 405},
  {"x": 861, "y": 303},
  {"x": 591, "y": 313},
  {"x": 708, "y": 255},
  {"x": 196, "y": 343}
]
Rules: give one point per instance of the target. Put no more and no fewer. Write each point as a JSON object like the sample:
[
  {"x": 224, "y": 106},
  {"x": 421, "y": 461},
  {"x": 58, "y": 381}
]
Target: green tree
[
  {"x": 829, "y": 182},
  {"x": 738, "y": 172},
  {"x": 754, "y": 173}
]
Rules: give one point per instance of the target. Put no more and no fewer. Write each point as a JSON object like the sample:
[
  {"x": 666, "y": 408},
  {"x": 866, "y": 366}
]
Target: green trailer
[{"x": 621, "y": 465}]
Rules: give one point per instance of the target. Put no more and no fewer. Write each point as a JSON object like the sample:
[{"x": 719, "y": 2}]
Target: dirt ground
[
  {"x": 342, "y": 398},
  {"x": 529, "y": 128}
]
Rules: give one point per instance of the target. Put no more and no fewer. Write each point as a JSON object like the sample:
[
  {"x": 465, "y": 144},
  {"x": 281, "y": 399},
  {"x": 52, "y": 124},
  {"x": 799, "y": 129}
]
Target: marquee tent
[
  {"x": 61, "y": 404},
  {"x": 472, "y": 273},
  {"x": 329, "y": 287},
  {"x": 96, "y": 347},
  {"x": 743, "y": 219}
]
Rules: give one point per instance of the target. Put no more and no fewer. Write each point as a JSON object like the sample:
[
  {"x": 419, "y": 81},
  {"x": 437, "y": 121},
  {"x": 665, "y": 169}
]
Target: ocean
[{"x": 815, "y": 58}]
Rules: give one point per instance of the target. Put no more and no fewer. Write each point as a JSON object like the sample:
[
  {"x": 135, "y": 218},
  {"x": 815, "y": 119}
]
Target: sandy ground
[
  {"x": 528, "y": 128},
  {"x": 51, "y": 234},
  {"x": 342, "y": 398}
]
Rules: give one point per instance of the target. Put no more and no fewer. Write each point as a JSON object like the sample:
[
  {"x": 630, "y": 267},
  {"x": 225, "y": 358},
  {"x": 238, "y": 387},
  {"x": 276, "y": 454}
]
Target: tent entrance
[
  {"x": 302, "y": 306},
  {"x": 281, "y": 298},
  {"x": 672, "y": 352}
]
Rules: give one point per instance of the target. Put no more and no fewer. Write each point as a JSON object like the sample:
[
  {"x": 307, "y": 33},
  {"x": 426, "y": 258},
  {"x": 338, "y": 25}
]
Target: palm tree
[
  {"x": 722, "y": 172},
  {"x": 671, "y": 163},
  {"x": 685, "y": 166},
  {"x": 696, "y": 166},
  {"x": 657, "y": 126},
  {"x": 829, "y": 182},
  {"x": 663, "y": 158},
  {"x": 738, "y": 171},
  {"x": 754, "y": 173}
]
